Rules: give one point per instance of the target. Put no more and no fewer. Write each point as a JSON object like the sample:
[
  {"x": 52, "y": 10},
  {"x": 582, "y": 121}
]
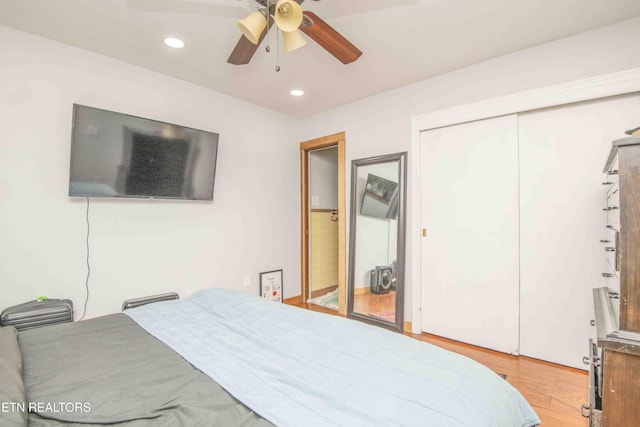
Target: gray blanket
[{"x": 110, "y": 371}]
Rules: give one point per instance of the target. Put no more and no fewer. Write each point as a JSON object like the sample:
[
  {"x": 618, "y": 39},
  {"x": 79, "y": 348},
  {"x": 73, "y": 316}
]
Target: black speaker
[{"x": 382, "y": 280}]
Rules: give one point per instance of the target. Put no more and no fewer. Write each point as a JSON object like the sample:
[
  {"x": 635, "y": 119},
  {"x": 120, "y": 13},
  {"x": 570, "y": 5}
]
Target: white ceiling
[{"x": 402, "y": 41}]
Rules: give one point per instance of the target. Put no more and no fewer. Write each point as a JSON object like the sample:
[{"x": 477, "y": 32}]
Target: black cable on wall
[{"x": 86, "y": 283}]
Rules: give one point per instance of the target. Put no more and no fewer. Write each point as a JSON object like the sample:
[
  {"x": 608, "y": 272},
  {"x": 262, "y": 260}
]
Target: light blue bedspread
[{"x": 296, "y": 367}]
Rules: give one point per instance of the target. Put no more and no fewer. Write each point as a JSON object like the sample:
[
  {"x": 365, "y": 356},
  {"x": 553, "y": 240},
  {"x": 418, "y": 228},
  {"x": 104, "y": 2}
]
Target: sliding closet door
[
  {"x": 562, "y": 153},
  {"x": 470, "y": 283}
]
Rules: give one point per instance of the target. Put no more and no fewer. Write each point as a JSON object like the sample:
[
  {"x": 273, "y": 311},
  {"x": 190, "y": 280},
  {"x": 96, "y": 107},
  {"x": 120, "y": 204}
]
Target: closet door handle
[
  {"x": 607, "y": 275},
  {"x": 610, "y": 208},
  {"x": 605, "y": 241},
  {"x": 610, "y": 249}
]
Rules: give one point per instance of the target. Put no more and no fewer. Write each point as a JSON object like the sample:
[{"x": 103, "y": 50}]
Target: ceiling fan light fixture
[
  {"x": 292, "y": 40},
  {"x": 253, "y": 25},
  {"x": 288, "y": 15}
]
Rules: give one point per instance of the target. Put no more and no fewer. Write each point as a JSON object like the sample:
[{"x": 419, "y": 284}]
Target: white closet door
[
  {"x": 562, "y": 153},
  {"x": 470, "y": 282}
]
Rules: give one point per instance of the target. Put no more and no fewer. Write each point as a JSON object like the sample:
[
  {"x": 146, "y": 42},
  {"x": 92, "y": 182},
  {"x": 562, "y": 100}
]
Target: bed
[{"x": 225, "y": 358}]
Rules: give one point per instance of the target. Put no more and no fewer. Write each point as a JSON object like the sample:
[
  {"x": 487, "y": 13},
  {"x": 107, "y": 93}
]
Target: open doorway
[
  {"x": 323, "y": 228},
  {"x": 323, "y": 222}
]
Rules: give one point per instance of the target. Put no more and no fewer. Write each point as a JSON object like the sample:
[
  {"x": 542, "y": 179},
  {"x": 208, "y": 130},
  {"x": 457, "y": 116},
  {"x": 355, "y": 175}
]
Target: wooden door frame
[{"x": 335, "y": 140}]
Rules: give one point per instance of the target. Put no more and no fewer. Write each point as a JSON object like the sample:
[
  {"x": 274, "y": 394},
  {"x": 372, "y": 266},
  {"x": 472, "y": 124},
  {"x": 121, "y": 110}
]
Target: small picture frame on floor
[{"x": 271, "y": 285}]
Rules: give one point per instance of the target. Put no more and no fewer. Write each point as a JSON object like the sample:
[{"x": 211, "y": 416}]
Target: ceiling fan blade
[
  {"x": 331, "y": 40},
  {"x": 244, "y": 50}
]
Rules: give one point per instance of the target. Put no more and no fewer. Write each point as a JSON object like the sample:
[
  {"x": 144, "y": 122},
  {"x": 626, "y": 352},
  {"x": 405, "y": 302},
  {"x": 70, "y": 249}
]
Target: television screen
[{"x": 118, "y": 155}]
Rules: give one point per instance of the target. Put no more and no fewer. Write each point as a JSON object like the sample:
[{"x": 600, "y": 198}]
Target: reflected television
[
  {"x": 380, "y": 198},
  {"x": 119, "y": 155}
]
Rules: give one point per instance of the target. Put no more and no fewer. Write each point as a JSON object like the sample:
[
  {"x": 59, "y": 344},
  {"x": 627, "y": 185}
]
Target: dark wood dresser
[{"x": 615, "y": 357}]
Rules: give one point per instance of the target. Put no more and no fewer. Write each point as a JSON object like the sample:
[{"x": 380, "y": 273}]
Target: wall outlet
[{"x": 246, "y": 281}]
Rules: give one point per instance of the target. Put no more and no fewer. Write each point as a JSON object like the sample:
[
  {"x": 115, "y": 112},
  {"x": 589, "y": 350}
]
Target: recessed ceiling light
[
  {"x": 173, "y": 42},
  {"x": 297, "y": 92}
]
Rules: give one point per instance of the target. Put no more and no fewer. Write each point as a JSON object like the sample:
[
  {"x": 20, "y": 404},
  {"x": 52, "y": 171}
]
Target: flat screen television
[{"x": 119, "y": 155}]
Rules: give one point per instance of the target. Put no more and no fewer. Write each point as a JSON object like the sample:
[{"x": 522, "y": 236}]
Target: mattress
[{"x": 224, "y": 358}]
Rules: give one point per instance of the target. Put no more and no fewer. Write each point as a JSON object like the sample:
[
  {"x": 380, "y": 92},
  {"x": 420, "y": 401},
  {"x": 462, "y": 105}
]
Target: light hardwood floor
[{"x": 555, "y": 392}]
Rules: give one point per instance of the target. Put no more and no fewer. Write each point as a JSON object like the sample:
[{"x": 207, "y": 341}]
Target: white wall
[
  {"x": 323, "y": 178},
  {"x": 381, "y": 124},
  {"x": 141, "y": 247},
  {"x": 138, "y": 247}
]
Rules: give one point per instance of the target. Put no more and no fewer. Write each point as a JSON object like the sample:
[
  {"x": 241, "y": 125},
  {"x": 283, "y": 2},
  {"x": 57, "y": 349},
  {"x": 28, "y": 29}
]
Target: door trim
[{"x": 335, "y": 140}]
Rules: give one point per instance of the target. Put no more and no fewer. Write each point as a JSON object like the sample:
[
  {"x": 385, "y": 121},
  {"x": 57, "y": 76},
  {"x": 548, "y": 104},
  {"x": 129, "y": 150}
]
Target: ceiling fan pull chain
[
  {"x": 277, "y": 52},
  {"x": 268, "y": 15}
]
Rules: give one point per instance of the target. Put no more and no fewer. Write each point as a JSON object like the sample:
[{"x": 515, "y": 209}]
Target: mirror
[{"x": 376, "y": 240}]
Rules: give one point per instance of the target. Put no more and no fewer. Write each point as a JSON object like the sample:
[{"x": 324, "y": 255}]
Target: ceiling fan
[{"x": 289, "y": 18}]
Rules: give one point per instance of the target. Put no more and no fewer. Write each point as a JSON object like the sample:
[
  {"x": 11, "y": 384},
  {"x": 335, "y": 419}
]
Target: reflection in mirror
[
  {"x": 376, "y": 244},
  {"x": 380, "y": 198}
]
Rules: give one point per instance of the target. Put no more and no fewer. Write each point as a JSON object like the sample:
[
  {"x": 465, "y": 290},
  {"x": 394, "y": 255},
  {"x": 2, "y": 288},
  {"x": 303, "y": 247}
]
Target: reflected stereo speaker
[{"x": 382, "y": 280}]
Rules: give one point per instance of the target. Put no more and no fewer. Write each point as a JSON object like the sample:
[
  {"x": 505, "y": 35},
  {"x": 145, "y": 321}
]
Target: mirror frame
[{"x": 401, "y": 158}]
